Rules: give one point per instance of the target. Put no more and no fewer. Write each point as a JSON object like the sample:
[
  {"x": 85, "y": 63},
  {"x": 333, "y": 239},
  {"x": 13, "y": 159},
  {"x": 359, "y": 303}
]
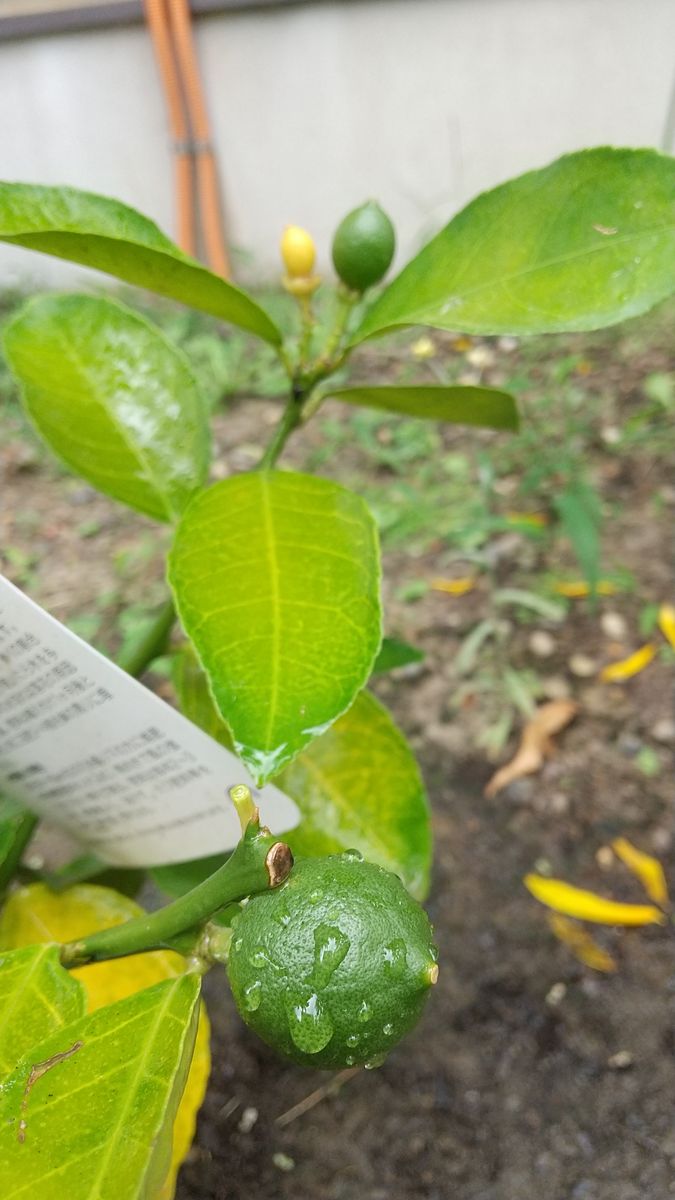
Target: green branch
[{"x": 258, "y": 862}]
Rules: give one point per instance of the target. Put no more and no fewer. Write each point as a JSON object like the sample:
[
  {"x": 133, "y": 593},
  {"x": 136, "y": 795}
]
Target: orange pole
[
  {"x": 207, "y": 177},
  {"x": 157, "y": 20}
]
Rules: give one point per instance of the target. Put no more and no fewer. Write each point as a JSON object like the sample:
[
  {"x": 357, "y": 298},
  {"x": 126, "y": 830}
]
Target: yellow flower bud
[{"x": 298, "y": 252}]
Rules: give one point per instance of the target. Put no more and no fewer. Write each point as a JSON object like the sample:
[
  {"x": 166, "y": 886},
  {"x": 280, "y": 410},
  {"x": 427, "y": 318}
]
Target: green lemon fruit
[
  {"x": 363, "y": 246},
  {"x": 333, "y": 967}
]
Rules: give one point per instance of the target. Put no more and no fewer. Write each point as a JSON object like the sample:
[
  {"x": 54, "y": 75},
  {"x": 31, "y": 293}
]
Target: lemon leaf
[{"x": 37, "y": 996}]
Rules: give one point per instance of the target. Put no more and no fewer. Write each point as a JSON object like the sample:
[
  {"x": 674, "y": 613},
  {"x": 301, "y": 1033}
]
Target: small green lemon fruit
[
  {"x": 333, "y": 967},
  {"x": 363, "y": 246}
]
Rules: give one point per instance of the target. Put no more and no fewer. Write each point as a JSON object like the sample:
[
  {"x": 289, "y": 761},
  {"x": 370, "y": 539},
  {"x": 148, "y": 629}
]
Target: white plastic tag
[{"x": 87, "y": 746}]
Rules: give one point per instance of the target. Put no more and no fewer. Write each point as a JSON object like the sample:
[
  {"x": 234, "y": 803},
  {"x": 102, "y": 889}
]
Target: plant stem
[
  {"x": 23, "y": 825},
  {"x": 258, "y": 862},
  {"x": 289, "y": 421},
  {"x": 150, "y": 644}
]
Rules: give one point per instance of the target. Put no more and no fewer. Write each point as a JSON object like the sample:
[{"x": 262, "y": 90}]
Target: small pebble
[
  {"x": 583, "y": 666},
  {"x": 620, "y": 1061},
  {"x": 469, "y": 378},
  {"x": 283, "y": 1161},
  {"x": 248, "y": 1119},
  {"x": 610, "y": 435},
  {"x": 480, "y": 356},
  {"x": 542, "y": 643},
  {"x": 556, "y": 994},
  {"x": 555, "y": 687},
  {"x": 664, "y": 730},
  {"x": 558, "y": 803},
  {"x": 614, "y": 626},
  {"x": 604, "y": 857},
  {"x": 508, "y": 344}
]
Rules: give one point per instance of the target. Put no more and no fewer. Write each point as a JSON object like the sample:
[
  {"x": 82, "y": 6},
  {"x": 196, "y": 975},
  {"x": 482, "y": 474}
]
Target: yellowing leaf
[
  {"x": 578, "y": 588},
  {"x": 647, "y": 869},
  {"x": 582, "y": 945},
  {"x": 627, "y": 667},
  {"x": 454, "y": 587},
  {"x": 667, "y": 622},
  {"x": 535, "y": 743},
  {"x": 35, "y": 914},
  {"x": 575, "y": 902}
]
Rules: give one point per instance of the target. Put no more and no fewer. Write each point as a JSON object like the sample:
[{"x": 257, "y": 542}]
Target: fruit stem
[{"x": 258, "y": 862}]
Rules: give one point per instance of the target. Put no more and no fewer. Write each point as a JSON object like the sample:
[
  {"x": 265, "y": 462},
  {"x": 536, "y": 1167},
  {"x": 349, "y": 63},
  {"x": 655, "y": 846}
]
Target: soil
[{"x": 531, "y": 1077}]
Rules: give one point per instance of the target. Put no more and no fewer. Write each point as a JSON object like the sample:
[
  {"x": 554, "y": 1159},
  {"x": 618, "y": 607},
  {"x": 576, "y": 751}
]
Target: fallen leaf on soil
[
  {"x": 577, "y": 588},
  {"x": 627, "y": 667},
  {"x": 454, "y": 587},
  {"x": 535, "y": 743},
  {"x": 586, "y": 906},
  {"x": 647, "y": 869},
  {"x": 582, "y": 945},
  {"x": 667, "y": 622}
]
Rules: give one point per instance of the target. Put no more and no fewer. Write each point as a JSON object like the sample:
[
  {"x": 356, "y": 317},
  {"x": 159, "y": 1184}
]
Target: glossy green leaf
[
  {"x": 578, "y": 507},
  {"x": 396, "y": 653},
  {"x": 113, "y": 398},
  {"x": 90, "y": 1111},
  {"x": 462, "y": 405},
  {"x": 37, "y": 997},
  {"x": 16, "y": 827},
  {"x": 583, "y": 243},
  {"x": 102, "y": 233},
  {"x": 276, "y": 579},
  {"x": 359, "y": 786}
]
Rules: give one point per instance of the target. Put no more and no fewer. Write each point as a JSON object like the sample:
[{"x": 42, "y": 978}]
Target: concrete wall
[{"x": 420, "y": 103}]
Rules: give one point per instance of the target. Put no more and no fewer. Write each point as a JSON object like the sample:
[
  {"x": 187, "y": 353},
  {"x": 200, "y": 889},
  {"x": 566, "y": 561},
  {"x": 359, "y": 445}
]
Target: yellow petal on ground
[
  {"x": 627, "y": 667},
  {"x": 577, "y": 588},
  {"x": 536, "y": 519},
  {"x": 647, "y": 869},
  {"x": 462, "y": 344},
  {"x": 586, "y": 906},
  {"x": 454, "y": 587},
  {"x": 667, "y": 622},
  {"x": 35, "y": 914},
  {"x": 582, "y": 945}
]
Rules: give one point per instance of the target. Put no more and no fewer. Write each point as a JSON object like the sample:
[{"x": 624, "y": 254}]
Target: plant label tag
[{"x": 88, "y": 747}]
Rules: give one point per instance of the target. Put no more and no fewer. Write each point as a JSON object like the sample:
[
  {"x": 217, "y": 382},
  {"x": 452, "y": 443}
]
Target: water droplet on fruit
[
  {"x": 353, "y": 1040},
  {"x": 252, "y": 996},
  {"x": 350, "y": 1060},
  {"x": 395, "y": 958},
  {"x": 375, "y": 1061},
  {"x": 314, "y": 897},
  {"x": 309, "y": 1021},
  {"x": 238, "y": 943},
  {"x": 365, "y": 1012},
  {"x": 352, "y": 856},
  {"x": 282, "y": 915},
  {"x": 330, "y": 947},
  {"x": 388, "y": 1029}
]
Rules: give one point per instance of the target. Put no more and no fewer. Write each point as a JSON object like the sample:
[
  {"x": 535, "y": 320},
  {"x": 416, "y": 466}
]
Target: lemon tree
[{"x": 275, "y": 579}]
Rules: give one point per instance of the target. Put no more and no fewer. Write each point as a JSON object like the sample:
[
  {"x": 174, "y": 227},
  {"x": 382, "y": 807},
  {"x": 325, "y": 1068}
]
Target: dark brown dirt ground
[{"x": 531, "y": 1077}]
